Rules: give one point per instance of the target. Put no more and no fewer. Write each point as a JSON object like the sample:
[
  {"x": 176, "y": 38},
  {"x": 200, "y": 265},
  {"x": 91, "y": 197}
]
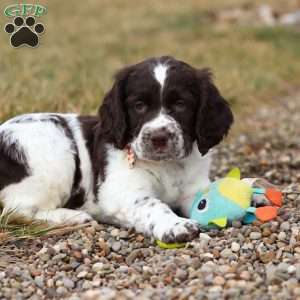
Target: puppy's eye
[
  {"x": 202, "y": 204},
  {"x": 140, "y": 107},
  {"x": 179, "y": 105}
]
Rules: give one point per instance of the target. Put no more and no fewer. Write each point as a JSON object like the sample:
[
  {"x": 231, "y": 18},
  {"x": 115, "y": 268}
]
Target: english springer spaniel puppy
[{"x": 146, "y": 154}]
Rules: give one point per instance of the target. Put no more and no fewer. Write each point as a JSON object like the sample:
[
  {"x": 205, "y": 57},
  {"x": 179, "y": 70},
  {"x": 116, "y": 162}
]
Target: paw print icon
[{"x": 24, "y": 32}]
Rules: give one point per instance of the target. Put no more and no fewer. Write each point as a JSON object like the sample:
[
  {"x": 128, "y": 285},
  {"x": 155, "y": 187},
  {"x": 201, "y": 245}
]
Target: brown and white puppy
[{"x": 166, "y": 112}]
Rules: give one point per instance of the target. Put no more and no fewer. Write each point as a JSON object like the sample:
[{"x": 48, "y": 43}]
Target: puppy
[{"x": 146, "y": 154}]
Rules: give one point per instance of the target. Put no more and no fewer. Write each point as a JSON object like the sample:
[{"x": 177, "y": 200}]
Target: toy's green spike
[
  {"x": 221, "y": 222},
  {"x": 234, "y": 173}
]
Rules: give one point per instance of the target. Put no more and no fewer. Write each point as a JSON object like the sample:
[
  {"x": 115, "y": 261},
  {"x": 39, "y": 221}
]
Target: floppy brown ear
[
  {"x": 113, "y": 117},
  {"x": 214, "y": 117}
]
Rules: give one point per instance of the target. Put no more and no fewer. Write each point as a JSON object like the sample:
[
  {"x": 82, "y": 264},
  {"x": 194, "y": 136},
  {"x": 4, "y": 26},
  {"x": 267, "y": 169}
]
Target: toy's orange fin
[
  {"x": 275, "y": 196},
  {"x": 266, "y": 213}
]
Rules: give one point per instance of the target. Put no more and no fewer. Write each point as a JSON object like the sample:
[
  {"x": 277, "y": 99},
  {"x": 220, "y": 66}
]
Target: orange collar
[{"x": 131, "y": 158}]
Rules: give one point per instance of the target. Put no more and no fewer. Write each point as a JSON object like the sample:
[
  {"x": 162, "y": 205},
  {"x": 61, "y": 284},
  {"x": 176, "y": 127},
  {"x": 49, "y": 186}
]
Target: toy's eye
[{"x": 202, "y": 204}]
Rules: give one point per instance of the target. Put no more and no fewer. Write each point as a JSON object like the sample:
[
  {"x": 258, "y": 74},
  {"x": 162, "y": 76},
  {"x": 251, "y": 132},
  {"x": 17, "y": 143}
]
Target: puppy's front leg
[{"x": 153, "y": 217}]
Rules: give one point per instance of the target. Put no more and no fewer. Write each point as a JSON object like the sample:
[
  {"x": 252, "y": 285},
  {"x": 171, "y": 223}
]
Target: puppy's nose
[{"x": 159, "y": 140}]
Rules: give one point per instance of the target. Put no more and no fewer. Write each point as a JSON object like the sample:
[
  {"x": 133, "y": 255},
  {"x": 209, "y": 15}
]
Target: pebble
[
  {"x": 266, "y": 232},
  {"x": 235, "y": 247},
  {"x": 215, "y": 289},
  {"x": 87, "y": 285},
  {"x": 282, "y": 236},
  {"x": 291, "y": 269},
  {"x": 2, "y": 275},
  {"x": 255, "y": 235},
  {"x": 181, "y": 274},
  {"x": 116, "y": 246},
  {"x": 267, "y": 257},
  {"x": 218, "y": 280},
  {"x": 97, "y": 267},
  {"x": 61, "y": 291},
  {"x": 285, "y": 226},
  {"x": 208, "y": 255},
  {"x": 245, "y": 275},
  {"x": 123, "y": 269},
  {"x": 297, "y": 266},
  {"x": 45, "y": 257},
  {"x": 208, "y": 267},
  {"x": 68, "y": 283},
  {"x": 226, "y": 253},
  {"x": 123, "y": 234},
  {"x": 283, "y": 267},
  {"x": 50, "y": 282},
  {"x": 115, "y": 232},
  {"x": 82, "y": 274},
  {"x": 39, "y": 281}
]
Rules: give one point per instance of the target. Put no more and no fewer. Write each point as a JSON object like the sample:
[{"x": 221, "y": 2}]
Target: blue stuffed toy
[{"x": 229, "y": 199}]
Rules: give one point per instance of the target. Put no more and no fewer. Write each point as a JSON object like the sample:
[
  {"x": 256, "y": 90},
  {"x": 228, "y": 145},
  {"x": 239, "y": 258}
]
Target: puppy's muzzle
[{"x": 159, "y": 139}]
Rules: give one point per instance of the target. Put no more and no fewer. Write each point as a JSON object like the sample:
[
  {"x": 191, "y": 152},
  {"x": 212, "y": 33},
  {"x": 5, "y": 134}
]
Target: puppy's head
[{"x": 161, "y": 106}]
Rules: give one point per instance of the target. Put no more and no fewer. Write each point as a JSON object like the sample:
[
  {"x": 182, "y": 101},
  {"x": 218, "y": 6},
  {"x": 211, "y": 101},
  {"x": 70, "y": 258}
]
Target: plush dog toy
[{"x": 229, "y": 199}]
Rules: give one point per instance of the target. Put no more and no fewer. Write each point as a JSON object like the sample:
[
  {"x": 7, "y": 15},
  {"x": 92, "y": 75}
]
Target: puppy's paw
[
  {"x": 80, "y": 218},
  {"x": 182, "y": 230},
  {"x": 64, "y": 216}
]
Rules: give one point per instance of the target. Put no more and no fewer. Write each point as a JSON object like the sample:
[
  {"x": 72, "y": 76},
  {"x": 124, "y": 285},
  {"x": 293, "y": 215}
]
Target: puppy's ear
[
  {"x": 112, "y": 112},
  {"x": 214, "y": 116}
]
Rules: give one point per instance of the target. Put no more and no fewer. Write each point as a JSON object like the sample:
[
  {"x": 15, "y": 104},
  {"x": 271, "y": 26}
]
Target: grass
[
  {"x": 85, "y": 43},
  {"x": 14, "y": 227}
]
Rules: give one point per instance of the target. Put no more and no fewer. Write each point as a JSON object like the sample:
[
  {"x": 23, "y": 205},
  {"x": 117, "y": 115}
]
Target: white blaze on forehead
[
  {"x": 160, "y": 121},
  {"x": 160, "y": 73}
]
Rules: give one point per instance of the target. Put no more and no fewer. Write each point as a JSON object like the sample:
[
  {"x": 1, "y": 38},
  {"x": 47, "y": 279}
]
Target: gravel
[{"x": 257, "y": 261}]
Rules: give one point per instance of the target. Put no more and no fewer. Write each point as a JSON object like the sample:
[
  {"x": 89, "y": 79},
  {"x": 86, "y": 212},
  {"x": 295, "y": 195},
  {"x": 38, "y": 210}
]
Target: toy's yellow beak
[{"x": 221, "y": 222}]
